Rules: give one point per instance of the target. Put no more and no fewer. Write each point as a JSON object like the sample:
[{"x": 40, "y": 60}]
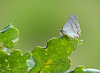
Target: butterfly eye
[{"x": 61, "y": 29}]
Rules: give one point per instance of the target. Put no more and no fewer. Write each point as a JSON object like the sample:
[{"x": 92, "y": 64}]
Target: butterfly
[{"x": 71, "y": 27}]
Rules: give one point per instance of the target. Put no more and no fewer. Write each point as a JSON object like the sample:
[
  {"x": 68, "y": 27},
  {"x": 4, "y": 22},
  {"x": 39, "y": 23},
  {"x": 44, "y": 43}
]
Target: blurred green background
[{"x": 40, "y": 20}]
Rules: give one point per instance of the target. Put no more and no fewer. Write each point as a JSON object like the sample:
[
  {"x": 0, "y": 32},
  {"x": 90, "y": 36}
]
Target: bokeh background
[{"x": 40, "y": 20}]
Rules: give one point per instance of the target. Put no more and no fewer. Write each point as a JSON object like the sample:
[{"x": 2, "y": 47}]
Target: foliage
[
  {"x": 52, "y": 59},
  {"x": 8, "y": 35},
  {"x": 14, "y": 63},
  {"x": 55, "y": 57}
]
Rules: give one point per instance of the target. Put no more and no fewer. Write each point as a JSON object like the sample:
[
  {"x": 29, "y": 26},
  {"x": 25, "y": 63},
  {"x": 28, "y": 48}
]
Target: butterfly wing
[
  {"x": 76, "y": 24},
  {"x": 71, "y": 27}
]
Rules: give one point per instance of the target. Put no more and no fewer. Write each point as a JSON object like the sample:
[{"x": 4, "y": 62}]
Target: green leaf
[
  {"x": 6, "y": 28},
  {"x": 8, "y": 35},
  {"x": 8, "y": 43},
  {"x": 27, "y": 55},
  {"x": 13, "y": 63},
  {"x": 79, "y": 69},
  {"x": 55, "y": 57}
]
